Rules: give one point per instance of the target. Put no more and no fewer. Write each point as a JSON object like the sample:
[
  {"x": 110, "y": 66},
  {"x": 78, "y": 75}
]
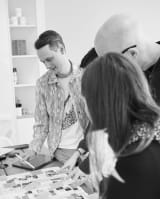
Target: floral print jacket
[{"x": 49, "y": 109}]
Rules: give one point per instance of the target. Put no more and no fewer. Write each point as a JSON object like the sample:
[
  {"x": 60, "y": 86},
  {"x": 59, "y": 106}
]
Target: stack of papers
[
  {"x": 4, "y": 151},
  {"x": 41, "y": 184}
]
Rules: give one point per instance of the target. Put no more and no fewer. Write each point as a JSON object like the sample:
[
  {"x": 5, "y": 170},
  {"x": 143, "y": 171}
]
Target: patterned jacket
[{"x": 50, "y": 107}]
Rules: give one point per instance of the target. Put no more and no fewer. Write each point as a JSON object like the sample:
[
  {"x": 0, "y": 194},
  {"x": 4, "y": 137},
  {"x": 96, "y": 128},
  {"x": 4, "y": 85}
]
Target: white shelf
[
  {"x": 27, "y": 65},
  {"x": 23, "y": 56},
  {"x": 24, "y": 85},
  {"x": 25, "y": 116},
  {"x": 23, "y": 26}
]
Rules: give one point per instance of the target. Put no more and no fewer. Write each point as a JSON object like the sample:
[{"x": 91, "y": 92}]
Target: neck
[
  {"x": 68, "y": 73},
  {"x": 153, "y": 54}
]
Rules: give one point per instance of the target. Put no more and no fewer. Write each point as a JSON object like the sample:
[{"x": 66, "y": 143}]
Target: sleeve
[
  {"x": 83, "y": 145},
  {"x": 41, "y": 126},
  {"x": 84, "y": 166}
]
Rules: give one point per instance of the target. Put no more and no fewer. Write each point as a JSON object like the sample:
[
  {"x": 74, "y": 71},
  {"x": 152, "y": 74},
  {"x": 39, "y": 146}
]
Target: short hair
[
  {"x": 51, "y": 38},
  {"x": 88, "y": 58}
]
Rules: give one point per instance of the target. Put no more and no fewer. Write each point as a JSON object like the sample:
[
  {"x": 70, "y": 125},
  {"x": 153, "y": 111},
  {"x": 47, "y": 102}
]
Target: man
[
  {"x": 123, "y": 34},
  {"x": 59, "y": 114},
  {"x": 82, "y": 150}
]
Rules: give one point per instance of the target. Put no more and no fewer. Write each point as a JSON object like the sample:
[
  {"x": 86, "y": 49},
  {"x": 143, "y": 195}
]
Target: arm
[
  {"x": 70, "y": 164},
  {"x": 83, "y": 145},
  {"x": 81, "y": 149},
  {"x": 41, "y": 126},
  {"x": 84, "y": 165}
]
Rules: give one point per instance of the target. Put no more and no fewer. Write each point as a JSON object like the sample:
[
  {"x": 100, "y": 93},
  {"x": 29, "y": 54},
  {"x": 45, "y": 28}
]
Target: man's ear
[{"x": 62, "y": 50}]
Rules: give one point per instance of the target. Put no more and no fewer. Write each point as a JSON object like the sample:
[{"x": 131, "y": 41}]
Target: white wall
[
  {"x": 78, "y": 20},
  {"x": 6, "y": 90}
]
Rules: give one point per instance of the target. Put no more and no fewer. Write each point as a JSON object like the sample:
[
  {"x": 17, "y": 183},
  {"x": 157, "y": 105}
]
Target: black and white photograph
[{"x": 79, "y": 99}]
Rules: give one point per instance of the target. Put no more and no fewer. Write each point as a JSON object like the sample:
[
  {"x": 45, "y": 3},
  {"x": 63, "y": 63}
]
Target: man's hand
[
  {"x": 70, "y": 164},
  {"x": 29, "y": 154},
  {"x": 77, "y": 175}
]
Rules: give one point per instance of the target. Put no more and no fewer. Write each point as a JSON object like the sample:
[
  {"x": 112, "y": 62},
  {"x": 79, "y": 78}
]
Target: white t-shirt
[{"x": 72, "y": 132}]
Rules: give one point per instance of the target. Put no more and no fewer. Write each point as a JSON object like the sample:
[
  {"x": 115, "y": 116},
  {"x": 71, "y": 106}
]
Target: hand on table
[
  {"x": 76, "y": 174},
  {"x": 29, "y": 154},
  {"x": 80, "y": 178},
  {"x": 71, "y": 162}
]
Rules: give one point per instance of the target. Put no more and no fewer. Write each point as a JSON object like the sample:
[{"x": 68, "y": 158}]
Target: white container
[
  {"x": 18, "y": 107},
  {"x": 14, "y": 20},
  {"x": 22, "y": 20},
  {"x": 18, "y": 12},
  {"x": 15, "y": 78},
  {"x": 19, "y": 111}
]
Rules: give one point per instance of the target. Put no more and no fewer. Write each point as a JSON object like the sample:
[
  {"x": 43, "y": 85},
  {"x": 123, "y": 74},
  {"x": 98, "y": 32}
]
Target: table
[{"x": 10, "y": 170}]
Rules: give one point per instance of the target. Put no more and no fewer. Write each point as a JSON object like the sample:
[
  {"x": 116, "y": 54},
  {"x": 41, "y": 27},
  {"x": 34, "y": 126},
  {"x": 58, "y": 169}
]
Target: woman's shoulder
[
  {"x": 143, "y": 165},
  {"x": 145, "y": 131},
  {"x": 143, "y": 156},
  {"x": 147, "y": 158},
  {"x": 140, "y": 171},
  {"x": 141, "y": 175}
]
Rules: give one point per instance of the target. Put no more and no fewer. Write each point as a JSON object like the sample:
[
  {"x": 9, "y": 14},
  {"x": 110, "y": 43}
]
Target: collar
[
  {"x": 53, "y": 79},
  {"x": 144, "y": 131}
]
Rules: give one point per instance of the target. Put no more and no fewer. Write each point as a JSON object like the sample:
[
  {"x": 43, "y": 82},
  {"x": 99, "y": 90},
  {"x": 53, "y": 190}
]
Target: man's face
[
  {"x": 136, "y": 54},
  {"x": 52, "y": 58}
]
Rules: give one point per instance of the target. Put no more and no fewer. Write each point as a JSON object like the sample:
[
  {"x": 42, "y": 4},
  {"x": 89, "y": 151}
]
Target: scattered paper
[
  {"x": 4, "y": 151},
  {"x": 41, "y": 184}
]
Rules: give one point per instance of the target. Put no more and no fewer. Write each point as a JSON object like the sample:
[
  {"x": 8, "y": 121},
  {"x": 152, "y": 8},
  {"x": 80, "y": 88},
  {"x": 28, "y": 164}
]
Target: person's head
[
  {"x": 88, "y": 58},
  {"x": 117, "y": 95},
  {"x": 123, "y": 34},
  {"x": 51, "y": 51}
]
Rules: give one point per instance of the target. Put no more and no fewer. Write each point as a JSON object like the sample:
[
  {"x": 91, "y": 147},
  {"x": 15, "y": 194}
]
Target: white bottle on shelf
[
  {"x": 22, "y": 20},
  {"x": 15, "y": 78},
  {"x": 18, "y": 108},
  {"x": 18, "y": 12},
  {"x": 14, "y": 20}
]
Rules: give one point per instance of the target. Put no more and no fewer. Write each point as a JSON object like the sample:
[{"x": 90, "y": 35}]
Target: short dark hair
[
  {"x": 88, "y": 58},
  {"x": 49, "y": 37}
]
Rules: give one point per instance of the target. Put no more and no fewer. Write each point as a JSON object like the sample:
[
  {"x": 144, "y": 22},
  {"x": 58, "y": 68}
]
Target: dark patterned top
[
  {"x": 140, "y": 171},
  {"x": 69, "y": 119},
  {"x": 144, "y": 131}
]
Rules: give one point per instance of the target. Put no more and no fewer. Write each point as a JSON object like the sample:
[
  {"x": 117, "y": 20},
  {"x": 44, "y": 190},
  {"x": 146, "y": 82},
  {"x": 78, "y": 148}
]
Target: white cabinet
[{"x": 26, "y": 21}]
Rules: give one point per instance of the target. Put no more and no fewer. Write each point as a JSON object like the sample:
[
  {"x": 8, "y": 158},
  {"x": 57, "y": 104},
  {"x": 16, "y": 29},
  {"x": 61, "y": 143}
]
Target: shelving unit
[
  {"x": 23, "y": 56},
  {"x": 24, "y": 85},
  {"x": 29, "y": 69},
  {"x": 23, "y": 26}
]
